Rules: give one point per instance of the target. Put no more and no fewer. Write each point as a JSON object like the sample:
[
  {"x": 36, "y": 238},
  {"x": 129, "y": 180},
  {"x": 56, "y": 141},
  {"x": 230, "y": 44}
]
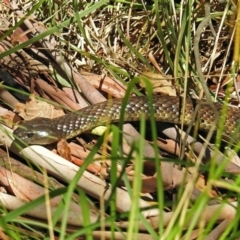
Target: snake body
[{"x": 165, "y": 108}]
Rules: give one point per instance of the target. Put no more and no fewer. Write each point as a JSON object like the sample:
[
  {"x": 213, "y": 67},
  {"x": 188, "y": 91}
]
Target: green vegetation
[{"x": 154, "y": 189}]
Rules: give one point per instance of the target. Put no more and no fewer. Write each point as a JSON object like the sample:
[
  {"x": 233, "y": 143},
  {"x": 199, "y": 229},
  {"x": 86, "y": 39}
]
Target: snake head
[{"x": 36, "y": 131}]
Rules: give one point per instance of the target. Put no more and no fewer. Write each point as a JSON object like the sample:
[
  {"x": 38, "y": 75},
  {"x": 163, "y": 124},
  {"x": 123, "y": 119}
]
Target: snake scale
[{"x": 166, "y": 109}]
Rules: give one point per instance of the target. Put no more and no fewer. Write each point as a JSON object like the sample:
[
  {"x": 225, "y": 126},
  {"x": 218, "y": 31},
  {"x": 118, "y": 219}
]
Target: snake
[{"x": 164, "y": 108}]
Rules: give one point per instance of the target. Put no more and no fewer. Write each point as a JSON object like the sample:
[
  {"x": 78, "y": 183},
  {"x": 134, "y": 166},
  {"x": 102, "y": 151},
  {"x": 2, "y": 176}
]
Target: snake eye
[{"x": 30, "y": 134}]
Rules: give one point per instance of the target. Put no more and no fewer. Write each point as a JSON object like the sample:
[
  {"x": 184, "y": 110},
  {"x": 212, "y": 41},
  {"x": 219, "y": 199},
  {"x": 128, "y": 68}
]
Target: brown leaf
[
  {"x": 64, "y": 150},
  {"x": 7, "y": 116},
  {"x": 4, "y": 24},
  {"x": 36, "y": 108},
  {"x": 161, "y": 83}
]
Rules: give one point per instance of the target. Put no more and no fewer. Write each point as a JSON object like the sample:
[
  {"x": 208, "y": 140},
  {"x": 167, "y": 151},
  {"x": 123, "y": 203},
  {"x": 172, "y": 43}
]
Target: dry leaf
[
  {"x": 7, "y": 116},
  {"x": 4, "y": 24},
  {"x": 64, "y": 150},
  {"x": 161, "y": 83},
  {"x": 36, "y": 108}
]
